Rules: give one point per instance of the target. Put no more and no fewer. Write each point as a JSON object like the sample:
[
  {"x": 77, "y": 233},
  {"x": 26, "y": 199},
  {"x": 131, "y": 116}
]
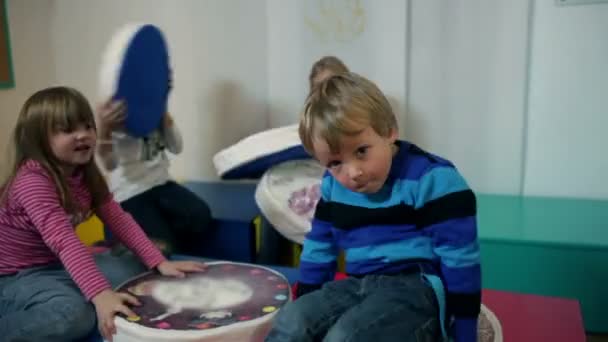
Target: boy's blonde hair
[
  {"x": 344, "y": 104},
  {"x": 44, "y": 113},
  {"x": 332, "y": 64}
]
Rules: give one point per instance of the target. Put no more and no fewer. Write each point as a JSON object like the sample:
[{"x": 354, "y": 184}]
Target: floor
[{"x": 597, "y": 338}]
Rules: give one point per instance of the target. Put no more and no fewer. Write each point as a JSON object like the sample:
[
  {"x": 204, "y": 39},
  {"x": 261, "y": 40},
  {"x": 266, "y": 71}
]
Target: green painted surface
[
  {"x": 543, "y": 220},
  {"x": 547, "y": 246},
  {"x": 10, "y": 83}
]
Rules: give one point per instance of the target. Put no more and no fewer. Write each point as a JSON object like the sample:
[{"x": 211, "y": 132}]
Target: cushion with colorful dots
[{"x": 228, "y": 301}]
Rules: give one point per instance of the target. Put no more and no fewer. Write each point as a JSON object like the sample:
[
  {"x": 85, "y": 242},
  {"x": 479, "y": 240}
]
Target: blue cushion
[
  {"x": 143, "y": 81},
  {"x": 255, "y": 168}
]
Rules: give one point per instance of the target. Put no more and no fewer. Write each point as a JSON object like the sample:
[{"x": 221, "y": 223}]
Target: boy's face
[{"x": 363, "y": 161}]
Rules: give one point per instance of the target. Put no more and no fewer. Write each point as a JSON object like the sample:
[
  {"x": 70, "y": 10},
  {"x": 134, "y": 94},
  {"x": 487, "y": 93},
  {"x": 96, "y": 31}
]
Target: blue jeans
[
  {"x": 44, "y": 303},
  {"x": 374, "y": 308}
]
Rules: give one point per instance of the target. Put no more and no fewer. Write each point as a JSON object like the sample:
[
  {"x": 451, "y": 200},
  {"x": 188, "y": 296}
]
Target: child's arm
[
  {"x": 130, "y": 233},
  {"x": 447, "y": 209},
  {"x": 36, "y": 194},
  {"x": 319, "y": 253},
  {"x": 172, "y": 135},
  {"x": 109, "y": 116}
]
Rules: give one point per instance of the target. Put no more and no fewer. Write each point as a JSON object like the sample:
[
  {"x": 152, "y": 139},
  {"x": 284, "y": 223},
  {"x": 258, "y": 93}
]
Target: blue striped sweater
[{"x": 424, "y": 214}]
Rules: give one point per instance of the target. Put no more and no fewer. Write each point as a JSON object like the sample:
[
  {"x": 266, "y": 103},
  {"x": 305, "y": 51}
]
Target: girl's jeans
[{"x": 44, "y": 303}]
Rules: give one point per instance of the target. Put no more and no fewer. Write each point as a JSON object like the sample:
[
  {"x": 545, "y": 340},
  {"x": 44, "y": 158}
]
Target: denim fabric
[
  {"x": 44, "y": 303},
  {"x": 374, "y": 308}
]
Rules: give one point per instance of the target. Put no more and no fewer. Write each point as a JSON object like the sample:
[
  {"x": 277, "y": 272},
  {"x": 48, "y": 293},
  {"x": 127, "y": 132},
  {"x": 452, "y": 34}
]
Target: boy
[{"x": 401, "y": 215}]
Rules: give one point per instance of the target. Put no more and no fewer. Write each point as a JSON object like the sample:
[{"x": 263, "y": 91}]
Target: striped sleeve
[
  {"x": 319, "y": 253},
  {"x": 124, "y": 227},
  {"x": 35, "y": 192},
  {"x": 447, "y": 209}
]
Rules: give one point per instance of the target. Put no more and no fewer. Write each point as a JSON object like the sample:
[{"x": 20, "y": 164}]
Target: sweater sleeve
[
  {"x": 124, "y": 227},
  {"x": 319, "y": 253},
  {"x": 173, "y": 138},
  {"x": 447, "y": 209},
  {"x": 35, "y": 192}
]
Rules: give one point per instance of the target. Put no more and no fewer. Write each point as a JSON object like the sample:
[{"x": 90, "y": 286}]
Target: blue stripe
[
  {"x": 439, "y": 182},
  {"x": 370, "y": 267},
  {"x": 386, "y": 197},
  {"x": 318, "y": 252},
  {"x": 326, "y": 184},
  {"x": 321, "y": 231},
  {"x": 414, "y": 166},
  {"x": 454, "y": 232},
  {"x": 457, "y": 257},
  {"x": 418, "y": 248},
  {"x": 375, "y": 235},
  {"x": 463, "y": 279},
  {"x": 312, "y": 273}
]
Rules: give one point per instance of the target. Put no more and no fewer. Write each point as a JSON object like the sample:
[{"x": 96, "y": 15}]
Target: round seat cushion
[
  {"x": 287, "y": 195},
  {"x": 229, "y": 302}
]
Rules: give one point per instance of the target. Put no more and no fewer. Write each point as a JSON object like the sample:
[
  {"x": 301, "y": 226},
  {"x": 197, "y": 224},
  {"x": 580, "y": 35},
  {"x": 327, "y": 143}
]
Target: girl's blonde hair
[
  {"x": 328, "y": 63},
  {"x": 344, "y": 105},
  {"x": 44, "y": 113}
]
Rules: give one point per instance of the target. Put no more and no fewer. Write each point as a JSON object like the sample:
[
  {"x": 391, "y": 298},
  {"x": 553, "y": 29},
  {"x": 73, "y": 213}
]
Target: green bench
[{"x": 547, "y": 246}]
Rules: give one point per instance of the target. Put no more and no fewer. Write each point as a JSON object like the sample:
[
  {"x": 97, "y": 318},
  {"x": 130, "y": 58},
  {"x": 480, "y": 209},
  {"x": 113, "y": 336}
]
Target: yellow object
[
  {"x": 296, "y": 250},
  {"x": 257, "y": 224},
  {"x": 90, "y": 231}
]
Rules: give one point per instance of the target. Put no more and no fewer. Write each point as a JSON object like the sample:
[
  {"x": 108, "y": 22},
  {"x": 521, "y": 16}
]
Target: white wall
[
  {"x": 218, "y": 51},
  {"x": 491, "y": 85},
  {"x": 467, "y": 87},
  {"x": 568, "y": 112},
  {"x": 33, "y": 65},
  {"x": 455, "y": 70},
  {"x": 369, "y": 37}
]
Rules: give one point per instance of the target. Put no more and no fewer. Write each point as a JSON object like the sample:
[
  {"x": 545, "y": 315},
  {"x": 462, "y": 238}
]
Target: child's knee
[
  {"x": 64, "y": 318},
  {"x": 340, "y": 331},
  {"x": 78, "y": 318},
  {"x": 296, "y": 320}
]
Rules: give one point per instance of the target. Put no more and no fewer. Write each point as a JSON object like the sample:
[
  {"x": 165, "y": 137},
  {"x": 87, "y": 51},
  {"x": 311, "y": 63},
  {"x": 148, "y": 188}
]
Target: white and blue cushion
[{"x": 135, "y": 68}]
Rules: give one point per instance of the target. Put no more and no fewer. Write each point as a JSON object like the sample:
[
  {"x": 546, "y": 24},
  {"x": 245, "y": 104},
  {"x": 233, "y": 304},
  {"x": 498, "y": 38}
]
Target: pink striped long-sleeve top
[{"x": 35, "y": 230}]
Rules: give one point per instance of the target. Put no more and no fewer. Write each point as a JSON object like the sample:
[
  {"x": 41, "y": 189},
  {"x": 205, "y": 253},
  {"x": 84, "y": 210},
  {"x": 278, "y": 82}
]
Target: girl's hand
[
  {"x": 179, "y": 269},
  {"x": 107, "y": 304},
  {"x": 111, "y": 115}
]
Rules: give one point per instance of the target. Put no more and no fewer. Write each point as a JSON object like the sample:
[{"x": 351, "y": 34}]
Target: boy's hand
[
  {"x": 107, "y": 304},
  {"x": 179, "y": 269}
]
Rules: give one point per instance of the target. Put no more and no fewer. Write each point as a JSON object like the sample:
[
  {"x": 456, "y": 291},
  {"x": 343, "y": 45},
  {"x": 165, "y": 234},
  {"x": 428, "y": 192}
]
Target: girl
[
  {"x": 171, "y": 215},
  {"x": 324, "y": 68},
  {"x": 48, "y": 278}
]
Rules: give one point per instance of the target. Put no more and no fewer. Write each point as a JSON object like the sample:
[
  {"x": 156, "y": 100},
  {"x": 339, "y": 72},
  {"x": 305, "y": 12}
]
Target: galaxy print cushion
[
  {"x": 227, "y": 302},
  {"x": 252, "y": 156},
  {"x": 288, "y": 194},
  {"x": 135, "y": 68}
]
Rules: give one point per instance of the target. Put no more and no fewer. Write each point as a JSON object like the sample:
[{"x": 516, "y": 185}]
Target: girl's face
[{"x": 73, "y": 146}]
